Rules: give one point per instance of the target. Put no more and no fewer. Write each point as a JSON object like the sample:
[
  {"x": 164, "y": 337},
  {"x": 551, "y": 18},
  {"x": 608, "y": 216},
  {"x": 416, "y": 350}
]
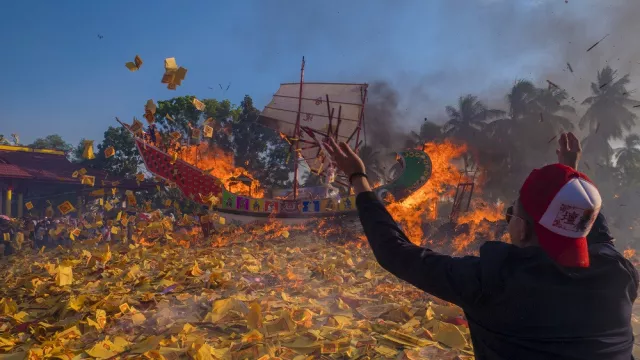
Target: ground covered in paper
[{"x": 263, "y": 294}]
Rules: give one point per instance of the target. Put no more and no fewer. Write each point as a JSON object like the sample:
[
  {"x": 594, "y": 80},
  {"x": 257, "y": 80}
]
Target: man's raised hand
[
  {"x": 345, "y": 158},
  {"x": 569, "y": 150}
]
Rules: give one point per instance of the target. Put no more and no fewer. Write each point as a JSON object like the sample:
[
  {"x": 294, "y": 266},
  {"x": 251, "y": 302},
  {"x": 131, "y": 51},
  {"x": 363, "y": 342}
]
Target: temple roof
[{"x": 20, "y": 162}]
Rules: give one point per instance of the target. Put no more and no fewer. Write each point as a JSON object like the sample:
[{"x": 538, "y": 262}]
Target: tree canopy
[{"x": 54, "y": 142}]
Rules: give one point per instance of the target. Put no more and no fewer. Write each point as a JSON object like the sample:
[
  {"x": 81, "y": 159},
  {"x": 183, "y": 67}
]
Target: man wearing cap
[{"x": 560, "y": 290}]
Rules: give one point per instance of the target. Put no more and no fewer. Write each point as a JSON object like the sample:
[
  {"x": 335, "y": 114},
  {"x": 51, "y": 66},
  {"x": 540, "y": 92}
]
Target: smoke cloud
[
  {"x": 427, "y": 54},
  {"x": 420, "y": 56},
  {"x": 382, "y": 113}
]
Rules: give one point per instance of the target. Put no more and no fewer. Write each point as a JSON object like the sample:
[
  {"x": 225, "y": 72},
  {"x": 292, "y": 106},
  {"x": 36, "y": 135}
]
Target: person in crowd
[{"x": 559, "y": 290}]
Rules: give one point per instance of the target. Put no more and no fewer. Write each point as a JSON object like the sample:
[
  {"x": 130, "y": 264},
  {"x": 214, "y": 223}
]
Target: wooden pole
[
  {"x": 361, "y": 120},
  {"x": 297, "y": 134}
]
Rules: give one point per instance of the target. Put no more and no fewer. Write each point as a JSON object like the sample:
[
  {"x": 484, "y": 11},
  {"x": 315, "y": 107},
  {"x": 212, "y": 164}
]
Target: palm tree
[
  {"x": 607, "y": 117},
  {"x": 468, "y": 118},
  {"x": 520, "y": 140},
  {"x": 628, "y": 157},
  {"x": 467, "y": 121},
  {"x": 608, "y": 112},
  {"x": 550, "y": 109},
  {"x": 532, "y": 111}
]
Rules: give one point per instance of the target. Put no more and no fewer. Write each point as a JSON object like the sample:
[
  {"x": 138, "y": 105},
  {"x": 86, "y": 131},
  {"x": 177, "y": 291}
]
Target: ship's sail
[{"x": 340, "y": 117}]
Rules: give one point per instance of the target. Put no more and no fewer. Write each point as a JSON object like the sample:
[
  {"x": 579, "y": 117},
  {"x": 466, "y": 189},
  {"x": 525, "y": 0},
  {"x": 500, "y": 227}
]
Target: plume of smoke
[{"x": 383, "y": 116}]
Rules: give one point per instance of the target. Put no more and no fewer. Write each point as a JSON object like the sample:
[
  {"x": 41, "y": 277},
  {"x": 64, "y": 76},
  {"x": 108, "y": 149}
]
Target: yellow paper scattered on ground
[
  {"x": 65, "y": 275},
  {"x": 168, "y": 292}
]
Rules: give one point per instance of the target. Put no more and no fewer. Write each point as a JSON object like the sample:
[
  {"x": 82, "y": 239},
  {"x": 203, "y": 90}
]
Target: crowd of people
[{"x": 31, "y": 233}]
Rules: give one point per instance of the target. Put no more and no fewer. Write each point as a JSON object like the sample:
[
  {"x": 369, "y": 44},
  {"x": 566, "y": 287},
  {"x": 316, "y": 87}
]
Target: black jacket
[{"x": 519, "y": 304}]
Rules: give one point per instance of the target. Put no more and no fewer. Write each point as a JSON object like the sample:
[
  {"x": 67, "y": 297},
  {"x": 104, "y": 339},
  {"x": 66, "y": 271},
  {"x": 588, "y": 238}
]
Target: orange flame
[
  {"x": 478, "y": 222},
  {"x": 423, "y": 203},
  {"x": 629, "y": 253},
  {"x": 220, "y": 164}
]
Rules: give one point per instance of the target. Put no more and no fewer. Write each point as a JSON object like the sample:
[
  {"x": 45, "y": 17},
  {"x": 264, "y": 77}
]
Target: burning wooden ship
[{"x": 305, "y": 115}]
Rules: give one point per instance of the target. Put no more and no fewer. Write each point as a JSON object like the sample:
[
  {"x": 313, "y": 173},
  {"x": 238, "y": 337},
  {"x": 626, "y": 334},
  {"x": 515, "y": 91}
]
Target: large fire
[
  {"x": 412, "y": 213},
  {"x": 422, "y": 206},
  {"x": 220, "y": 164},
  {"x": 479, "y": 222}
]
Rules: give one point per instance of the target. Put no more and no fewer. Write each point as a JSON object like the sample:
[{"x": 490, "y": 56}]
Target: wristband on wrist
[{"x": 357, "y": 174}]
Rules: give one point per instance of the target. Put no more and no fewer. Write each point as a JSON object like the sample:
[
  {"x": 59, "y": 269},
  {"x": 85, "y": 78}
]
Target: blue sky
[{"x": 60, "y": 78}]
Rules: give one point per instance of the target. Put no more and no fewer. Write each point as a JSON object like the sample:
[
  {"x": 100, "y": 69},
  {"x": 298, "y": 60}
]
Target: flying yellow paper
[
  {"x": 65, "y": 208},
  {"x": 131, "y": 198},
  {"x": 88, "y": 180},
  {"x": 208, "y": 131},
  {"x": 135, "y": 64},
  {"x": 179, "y": 75},
  {"x": 150, "y": 106},
  {"x": 170, "y": 64},
  {"x": 109, "y": 152},
  {"x": 88, "y": 150},
  {"x": 198, "y": 104},
  {"x": 28, "y": 205}
]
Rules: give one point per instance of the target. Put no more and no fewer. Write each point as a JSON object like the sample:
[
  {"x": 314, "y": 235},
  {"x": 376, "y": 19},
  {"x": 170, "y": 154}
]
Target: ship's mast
[{"x": 297, "y": 135}]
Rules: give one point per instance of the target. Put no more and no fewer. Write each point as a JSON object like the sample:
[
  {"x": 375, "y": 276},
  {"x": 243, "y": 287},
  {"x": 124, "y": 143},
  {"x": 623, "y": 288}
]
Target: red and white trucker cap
[{"x": 564, "y": 203}]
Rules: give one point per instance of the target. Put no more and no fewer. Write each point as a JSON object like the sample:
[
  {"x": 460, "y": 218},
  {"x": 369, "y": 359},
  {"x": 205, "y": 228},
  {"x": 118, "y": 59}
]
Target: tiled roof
[
  {"x": 41, "y": 166},
  {"x": 54, "y": 167},
  {"x": 13, "y": 171}
]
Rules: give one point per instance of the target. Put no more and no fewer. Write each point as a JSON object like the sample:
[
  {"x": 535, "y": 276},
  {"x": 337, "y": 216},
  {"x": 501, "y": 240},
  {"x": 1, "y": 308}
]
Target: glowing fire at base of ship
[{"x": 221, "y": 164}]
